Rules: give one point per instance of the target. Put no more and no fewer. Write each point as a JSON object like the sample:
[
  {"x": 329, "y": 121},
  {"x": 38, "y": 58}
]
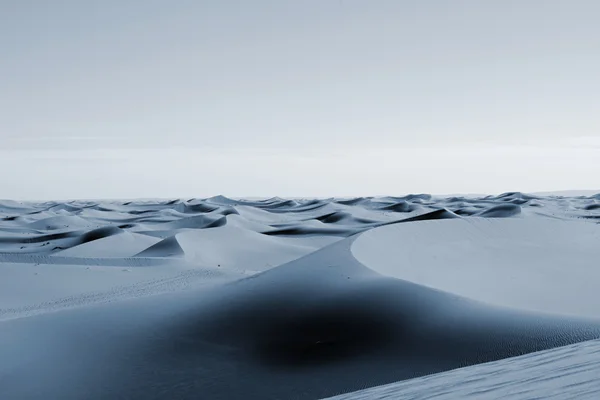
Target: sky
[{"x": 192, "y": 98}]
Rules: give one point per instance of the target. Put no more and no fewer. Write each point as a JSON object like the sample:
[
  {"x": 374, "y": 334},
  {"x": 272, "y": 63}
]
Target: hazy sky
[{"x": 149, "y": 98}]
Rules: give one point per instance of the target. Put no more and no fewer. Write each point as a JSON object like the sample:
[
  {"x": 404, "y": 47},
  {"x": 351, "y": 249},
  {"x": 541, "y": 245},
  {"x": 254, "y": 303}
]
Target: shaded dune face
[
  {"x": 501, "y": 211},
  {"x": 280, "y": 332},
  {"x": 329, "y": 334},
  {"x": 318, "y": 335},
  {"x": 383, "y": 321},
  {"x": 100, "y": 233},
  {"x": 433, "y": 215}
]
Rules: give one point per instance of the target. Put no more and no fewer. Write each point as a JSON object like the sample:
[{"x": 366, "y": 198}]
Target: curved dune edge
[
  {"x": 318, "y": 326},
  {"x": 537, "y": 264}
]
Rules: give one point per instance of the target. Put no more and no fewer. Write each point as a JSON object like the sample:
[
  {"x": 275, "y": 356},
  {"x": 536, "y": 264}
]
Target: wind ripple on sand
[{"x": 569, "y": 372}]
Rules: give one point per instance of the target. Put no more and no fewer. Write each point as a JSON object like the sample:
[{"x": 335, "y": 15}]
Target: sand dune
[
  {"x": 168, "y": 247},
  {"x": 501, "y": 211},
  {"x": 233, "y": 247},
  {"x": 291, "y": 298},
  {"x": 547, "y": 265},
  {"x": 320, "y": 325},
  {"x": 123, "y": 244}
]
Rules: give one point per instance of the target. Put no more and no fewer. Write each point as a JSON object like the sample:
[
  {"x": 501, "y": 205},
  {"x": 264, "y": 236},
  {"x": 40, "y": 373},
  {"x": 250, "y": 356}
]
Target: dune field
[{"x": 414, "y": 297}]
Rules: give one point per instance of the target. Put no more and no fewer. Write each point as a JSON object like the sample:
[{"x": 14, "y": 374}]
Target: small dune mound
[
  {"x": 241, "y": 249},
  {"x": 387, "y": 199},
  {"x": 64, "y": 207},
  {"x": 466, "y": 211},
  {"x": 343, "y": 218},
  {"x": 433, "y": 215},
  {"x": 11, "y": 206},
  {"x": 40, "y": 238},
  {"x": 100, "y": 233},
  {"x": 168, "y": 247},
  {"x": 222, "y": 201},
  {"x": 301, "y": 230},
  {"x": 352, "y": 202},
  {"x": 278, "y": 204},
  {"x": 60, "y": 222},
  {"x": 142, "y": 212},
  {"x": 227, "y": 211},
  {"x": 197, "y": 222},
  {"x": 501, "y": 211},
  {"x": 127, "y": 226},
  {"x": 333, "y": 217},
  {"x": 417, "y": 197},
  {"x": 519, "y": 201},
  {"x": 510, "y": 196},
  {"x": 196, "y": 207},
  {"x": 302, "y": 207},
  {"x": 401, "y": 206},
  {"x": 455, "y": 199},
  {"x": 124, "y": 244}
]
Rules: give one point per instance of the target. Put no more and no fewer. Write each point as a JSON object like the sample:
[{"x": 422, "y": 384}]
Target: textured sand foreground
[{"x": 221, "y": 298}]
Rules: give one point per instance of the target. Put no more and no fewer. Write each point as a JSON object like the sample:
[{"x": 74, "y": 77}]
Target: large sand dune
[{"x": 290, "y": 298}]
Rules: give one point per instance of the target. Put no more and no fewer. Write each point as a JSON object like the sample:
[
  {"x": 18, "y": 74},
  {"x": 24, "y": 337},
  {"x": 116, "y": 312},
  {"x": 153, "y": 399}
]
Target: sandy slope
[
  {"x": 547, "y": 265},
  {"x": 225, "y": 298},
  {"x": 569, "y": 372}
]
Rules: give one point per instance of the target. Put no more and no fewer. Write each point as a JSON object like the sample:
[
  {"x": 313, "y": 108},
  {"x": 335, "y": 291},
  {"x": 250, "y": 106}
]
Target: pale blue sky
[{"x": 343, "y": 85}]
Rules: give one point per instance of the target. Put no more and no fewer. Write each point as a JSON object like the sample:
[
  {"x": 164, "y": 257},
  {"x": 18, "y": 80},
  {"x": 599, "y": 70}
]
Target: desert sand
[{"x": 301, "y": 298}]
